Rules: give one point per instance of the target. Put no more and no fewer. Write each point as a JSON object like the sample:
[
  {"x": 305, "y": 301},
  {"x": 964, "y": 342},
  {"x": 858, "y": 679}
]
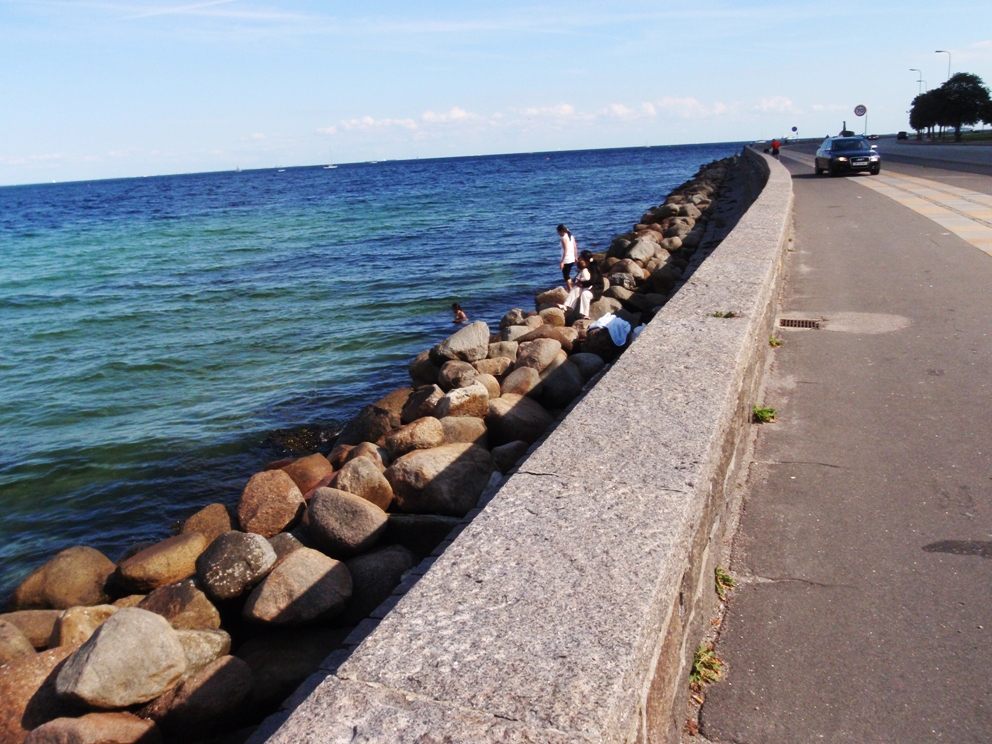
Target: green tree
[
  {"x": 926, "y": 111},
  {"x": 965, "y": 98}
]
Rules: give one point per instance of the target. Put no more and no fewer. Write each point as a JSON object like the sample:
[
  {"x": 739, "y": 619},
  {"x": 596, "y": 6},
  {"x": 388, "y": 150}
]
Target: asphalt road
[{"x": 863, "y": 611}]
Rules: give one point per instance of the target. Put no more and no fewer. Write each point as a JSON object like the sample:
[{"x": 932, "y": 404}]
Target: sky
[{"x": 129, "y": 88}]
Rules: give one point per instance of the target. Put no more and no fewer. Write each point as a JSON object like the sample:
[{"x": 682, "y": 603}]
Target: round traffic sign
[
  {"x": 860, "y": 110},
  {"x": 795, "y": 129}
]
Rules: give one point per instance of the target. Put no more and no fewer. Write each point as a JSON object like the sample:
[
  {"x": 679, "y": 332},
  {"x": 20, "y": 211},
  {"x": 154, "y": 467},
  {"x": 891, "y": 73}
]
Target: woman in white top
[{"x": 568, "y": 254}]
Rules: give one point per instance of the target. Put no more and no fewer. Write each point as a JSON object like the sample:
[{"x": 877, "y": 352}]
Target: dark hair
[
  {"x": 562, "y": 228},
  {"x": 586, "y": 254},
  {"x": 455, "y": 306}
]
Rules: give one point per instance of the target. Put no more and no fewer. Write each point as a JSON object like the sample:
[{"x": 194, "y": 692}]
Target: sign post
[
  {"x": 862, "y": 110},
  {"x": 795, "y": 132}
]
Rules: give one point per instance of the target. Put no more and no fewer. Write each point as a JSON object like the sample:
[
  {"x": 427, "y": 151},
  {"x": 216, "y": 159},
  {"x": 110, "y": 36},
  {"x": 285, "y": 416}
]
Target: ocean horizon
[{"x": 166, "y": 336}]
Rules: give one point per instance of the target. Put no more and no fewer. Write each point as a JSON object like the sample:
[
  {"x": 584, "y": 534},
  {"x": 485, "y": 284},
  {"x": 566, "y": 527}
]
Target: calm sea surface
[{"x": 162, "y": 338}]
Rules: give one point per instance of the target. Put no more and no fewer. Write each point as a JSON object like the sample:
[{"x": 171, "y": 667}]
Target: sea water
[{"x": 162, "y": 338}]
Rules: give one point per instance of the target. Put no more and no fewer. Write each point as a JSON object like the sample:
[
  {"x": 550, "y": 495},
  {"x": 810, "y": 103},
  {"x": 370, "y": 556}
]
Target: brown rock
[
  {"x": 307, "y": 585},
  {"x": 420, "y": 403},
  {"x": 378, "y": 455},
  {"x": 443, "y": 480},
  {"x": 514, "y": 317},
  {"x": 372, "y": 424},
  {"x": 164, "y": 563},
  {"x": 36, "y": 625},
  {"x": 394, "y": 402},
  {"x": 553, "y": 316},
  {"x": 201, "y": 647},
  {"x": 513, "y": 417},
  {"x": 308, "y": 472},
  {"x": 420, "y": 533},
  {"x": 344, "y": 524},
  {"x": 374, "y": 576},
  {"x": 507, "y": 455},
  {"x": 270, "y": 503},
  {"x": 423, "y": 433},
  {"x": 553, "y": 296},
  {"x": 423, "y": 370},
  {"x": 455, "y": 374},
  {"x": 13, "y": 643},
  {"x": 75, "y": 625},
  {"x": 131, "y": 600},
  {"x": 285, "y": 543},
  {"x": 467, "y": 401},
  {"x": 561, "y": 386},
  {"x": 587, "y": 364},
  {"x": 27, "y": 693},
  {"x": 490, "y": 383},
  {"x": 97, "y": 728},
  {"x": 495, "y": 367},
  {"x": 506, "y": 349},
  {"x": 520, "y": 382},
  {"x": 203, "y": 701},
  {"x": 211, "y": 521},
  {"x": 464, "y": 429},
  {"x": 603, "y": 306},
  {"x": 280, "y": 659},
  {"x": 362, "y": 478},
  {"x": 512, "y": 333},
  {"x": 132, "y": 658},
  {"x": 184, "y": 604},
  {"x": 532, "y": 322},
  {"x": 565, "y": 336},
  {"x": 555, "y": 364},
  {"x": 537, "y": 354},
  {"x": 233, "y": 563},
  {"x": 74, "y": 577},
  {"x": 338, "y": 455}
]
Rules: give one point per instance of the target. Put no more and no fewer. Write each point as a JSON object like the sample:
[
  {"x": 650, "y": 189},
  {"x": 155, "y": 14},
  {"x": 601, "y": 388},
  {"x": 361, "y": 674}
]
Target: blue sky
[{"x": 129, "y": 88}]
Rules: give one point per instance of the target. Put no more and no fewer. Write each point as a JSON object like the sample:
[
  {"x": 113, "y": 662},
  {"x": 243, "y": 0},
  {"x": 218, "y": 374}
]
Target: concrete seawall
[{"x": 570, "y": 607}]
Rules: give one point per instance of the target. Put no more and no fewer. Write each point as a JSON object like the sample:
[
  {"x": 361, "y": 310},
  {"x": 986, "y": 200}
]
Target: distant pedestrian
[
  {"x": 568, "y": 254},
  {"x": 775, "y": 145},
  {"x": 460, "y": 316}
]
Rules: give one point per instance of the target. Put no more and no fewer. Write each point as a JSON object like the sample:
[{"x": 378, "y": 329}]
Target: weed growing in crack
[
  {"x": 706, "y": 667},
  {"x": 723, "y": 582},
  {"x": 764, "y": 415},
  {"x": 728, "y": 314},
  {"x": 774, "y": 342}
]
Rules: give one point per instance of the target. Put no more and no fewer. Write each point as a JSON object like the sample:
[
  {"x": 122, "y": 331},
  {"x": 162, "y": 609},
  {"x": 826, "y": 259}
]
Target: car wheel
[
  {"x": 833, "y": 171},
  {"x": 875, "y": 170}
]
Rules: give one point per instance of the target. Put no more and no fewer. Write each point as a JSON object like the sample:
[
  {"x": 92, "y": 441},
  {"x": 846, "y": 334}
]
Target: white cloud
[
  {"x": 776, "y": 105},
  {"x": 367, "y": 122},
  {"x": 455, "y": 114},
  {"x": 257, "y": 136},
  {"x": 327, "y": 130},
  {"x": 619, "y": 111},
  {"x": 560, "y": 111}
]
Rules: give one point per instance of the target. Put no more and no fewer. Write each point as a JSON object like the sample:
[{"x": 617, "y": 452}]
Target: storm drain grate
[{"x": 798, "y": 323}]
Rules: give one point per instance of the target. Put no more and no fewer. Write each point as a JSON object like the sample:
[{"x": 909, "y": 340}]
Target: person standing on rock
[{"x": 568, "y": 255}]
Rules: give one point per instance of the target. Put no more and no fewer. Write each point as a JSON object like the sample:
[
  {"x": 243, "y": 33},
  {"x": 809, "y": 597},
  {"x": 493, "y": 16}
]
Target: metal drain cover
[{"x": 798, "y": 323}]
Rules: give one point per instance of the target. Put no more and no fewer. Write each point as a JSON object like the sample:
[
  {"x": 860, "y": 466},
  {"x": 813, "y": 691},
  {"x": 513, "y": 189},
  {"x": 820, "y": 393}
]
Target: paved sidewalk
[{"x": 864, "y": 609}]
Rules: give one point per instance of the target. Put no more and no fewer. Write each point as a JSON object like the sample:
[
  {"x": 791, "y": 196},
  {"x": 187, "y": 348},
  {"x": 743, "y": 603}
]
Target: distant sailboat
[
  {"x": 238, "y": 169},
  {"x": 329, "y": 167}
]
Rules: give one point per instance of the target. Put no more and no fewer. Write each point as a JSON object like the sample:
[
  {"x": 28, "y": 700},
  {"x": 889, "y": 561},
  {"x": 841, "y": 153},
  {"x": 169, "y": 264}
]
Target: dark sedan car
[{"x": 847, "y": 155}]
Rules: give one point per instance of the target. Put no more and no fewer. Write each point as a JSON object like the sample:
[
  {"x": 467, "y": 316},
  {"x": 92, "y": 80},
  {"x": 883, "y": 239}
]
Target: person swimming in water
[{"x": 460, "y": 316}]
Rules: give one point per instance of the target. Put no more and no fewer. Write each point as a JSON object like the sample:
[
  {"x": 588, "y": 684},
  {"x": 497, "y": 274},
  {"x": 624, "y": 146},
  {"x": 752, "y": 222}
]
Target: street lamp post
[
  {"x": 920, "y": 81},
  {"x": 944, "y": 51}
]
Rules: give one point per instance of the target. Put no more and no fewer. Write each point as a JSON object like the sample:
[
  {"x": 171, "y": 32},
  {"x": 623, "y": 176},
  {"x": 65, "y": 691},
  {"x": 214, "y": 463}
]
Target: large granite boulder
[
  {"x": 205, "y": 700},
  {"x": 13, "y": 643},
  {"x": 533, "y": 321},
  {"x": 211, "y": 521},
  {"x": 280, "y": 659},
  {"x": 76, "y": 624},
  {"x": 513, "y": 332},
  {"x": 163, "y": 563},
  {"x": 36, "y": 625},
  {"x": 201, "y": 647},
  {"x": 423, "y": 370},
  {"x": 371, "y": 424},
  {"x": 443, "y": 480},
  {"x": 514, "y": 317},
  {"x": 305, "y": 586},
  {"x": 537, "y": 354},
  {"x": 73, "y": 577},
  {"x": 464, "y": 429},
  {"x": 564, "y": 335},
  {"x": 309, "y": 472},
  {"x": 495, "y": 366},
  {"x": 561, "y": 386},
  {"x": 642, "y": 249},
  {"x": 394, "y": 402},
  {"x": 342, "y": 523},
  {"x": 234, "y": 563},
  {"x": 520, "y": 382},
  {"x": 132, "y": 658},
  {"x": 513, "y": 417},
  {"x": 603, "y": 306},
  {"x": 588, "y": 364},
  {"x": 362, "y": 478},
  {"x": 468, "y": 344},
  {"x": 27, "y": 693},
  {"x": 378, "y": 456},
  {"x": 490, "y": 383},
  {"x": 420, "y": 403},
  {"x": 97, "y": 728},
  {"x": 423, "y": 433},
  {"x": 553, "y": 316},
  {"x": 467, "y": 401},
  {"x": 507, "y": 455},
  {"x": 374, "y": 576},
  {"x": 184, "y": 605},
  {"x": 507, "y": 349},
  {"x": 553, "y": 296},
  {"x": 270, "y": 503},
  {"x": 455, "y": 374},
  {"x": 286, "y": 542}
]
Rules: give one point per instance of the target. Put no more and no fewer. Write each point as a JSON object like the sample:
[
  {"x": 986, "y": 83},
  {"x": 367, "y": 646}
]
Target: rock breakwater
[{"x": 206, "y": 632}]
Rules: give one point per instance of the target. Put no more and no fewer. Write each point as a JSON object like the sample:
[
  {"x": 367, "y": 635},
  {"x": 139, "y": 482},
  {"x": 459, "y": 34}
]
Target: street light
[
  {"x": 919, "y": 82},
  {"x": 944, "y": 51}
]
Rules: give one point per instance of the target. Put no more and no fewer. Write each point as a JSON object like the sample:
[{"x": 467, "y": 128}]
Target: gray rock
[
  {"x": 443, "y": 480},
  {"x": 373, "y": 452},
  {"x": 512, "y": 333},
  {"x": 202, "y": 647},
  {"x": 553, "y": 296},
  {"x": 305, "y": 586},
  {"x": 618, "y": 292},
  {"x": 374, "y": 576},
  {"x": 467, "y": 401},
  {"x": 455, "y": 374},
  {"x": 563, "y": 335},
  {"x": 506, "y": 349},
  {"x": 372, "y": 424},
  {"x": 132, "y": 658},
  {"x": 468, "y": 344},
  {"x": 343, "y": 524},
  {"x": 520, "y": 382},
  {"x": 464, "y": 429},
  {"x": 669, "y": 245},
  {"x": 421, "y": 403},
  {"x": 234, "y": 563},
  {"x": 423, "y": 433},
  {"x": 420, "y": 533},
  {"x": 561, "y": 386},
  {"x": 513, "y": 417},
  {"x": 537, "y": 354},
  {"x": 507, "y": 455},
  {"x": 534, "y": 321},
  {"x": 623, "y": 279},
  {"x": 642, "y": 249},
  {"x": 364, "y": 479},
  {"x": 588, "y": 364},
  {"x": 495, "y": 366},
  {"x": 603, "y": 306},
  {"x": 514, "y": 317},
  {"x": 423, "y": 370}
]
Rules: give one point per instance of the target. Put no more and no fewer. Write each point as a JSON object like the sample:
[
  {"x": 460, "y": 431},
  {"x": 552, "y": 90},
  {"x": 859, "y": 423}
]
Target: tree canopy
[{"x": 963, "y": 99}]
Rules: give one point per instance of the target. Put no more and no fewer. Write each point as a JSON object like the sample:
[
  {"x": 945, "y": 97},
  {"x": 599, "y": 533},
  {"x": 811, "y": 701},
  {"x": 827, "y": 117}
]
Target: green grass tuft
[
  {"x": 706, "y": 667},
  {"x": 723, "y": 581},
  {"x": 727, "y": 314},
  {"x": 764, "y": 415},
  {"x": 774, "y": 342}
]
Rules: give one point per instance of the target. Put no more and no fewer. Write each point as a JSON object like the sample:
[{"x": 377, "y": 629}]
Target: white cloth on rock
[{"x": 618, "y": 328}]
